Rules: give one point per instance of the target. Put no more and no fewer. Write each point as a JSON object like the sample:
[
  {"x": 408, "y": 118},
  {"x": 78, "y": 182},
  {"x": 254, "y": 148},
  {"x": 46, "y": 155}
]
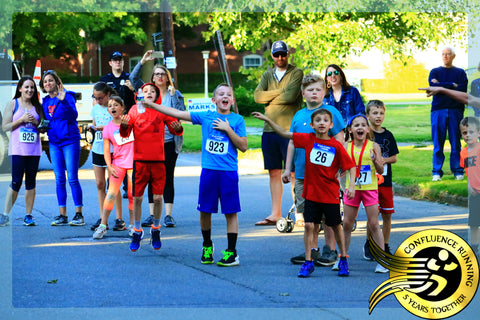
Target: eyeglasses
[
  {"x": 160, "y": 74},
  {"x": 329, "y": 73},
  {"x": 279, "y": 54},
  {"x": 98, "y": 98}
]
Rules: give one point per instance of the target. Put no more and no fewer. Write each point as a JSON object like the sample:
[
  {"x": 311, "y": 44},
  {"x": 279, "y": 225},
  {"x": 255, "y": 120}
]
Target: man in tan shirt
[{"x": 279, "y": 90}]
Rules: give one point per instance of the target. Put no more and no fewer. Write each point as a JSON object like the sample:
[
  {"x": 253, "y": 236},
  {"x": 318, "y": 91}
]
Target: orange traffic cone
[{"x": 38, "y": 72}]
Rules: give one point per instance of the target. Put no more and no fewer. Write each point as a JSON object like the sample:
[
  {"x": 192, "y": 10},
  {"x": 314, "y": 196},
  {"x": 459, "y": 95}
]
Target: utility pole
[{"x": 166, "y": 21}]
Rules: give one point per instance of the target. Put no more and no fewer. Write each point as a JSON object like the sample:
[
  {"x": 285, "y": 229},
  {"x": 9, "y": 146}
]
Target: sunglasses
[
  {"x": 329, "y": 73},
  {"x": 49, "y": 72},
  {"x": 278, "y": 54}
]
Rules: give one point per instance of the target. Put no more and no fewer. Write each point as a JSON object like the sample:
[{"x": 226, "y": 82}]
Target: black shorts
[
  {"x": 99, "y": 160},
  {"x": 315, "y": 211}
]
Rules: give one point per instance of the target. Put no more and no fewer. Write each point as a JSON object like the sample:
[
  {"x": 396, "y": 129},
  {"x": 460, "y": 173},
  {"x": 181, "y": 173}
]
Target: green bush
[{"x": 245, "y": 101}]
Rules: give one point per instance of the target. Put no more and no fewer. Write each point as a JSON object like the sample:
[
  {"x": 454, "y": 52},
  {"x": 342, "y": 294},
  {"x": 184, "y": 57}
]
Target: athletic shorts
[
  {"x": 299, "y": 200},
  {"x": 145, "y": 172},
  {"x": 315, "y": 211},
  {"x": 98, "y": 160},
  {"x": 368, "y": 197},
  {"x": 274, "y": 150},
  {"x": 218, "y": 185},
  {"x": 385, "y": 200},
  {"x": 474, "y": 210}
]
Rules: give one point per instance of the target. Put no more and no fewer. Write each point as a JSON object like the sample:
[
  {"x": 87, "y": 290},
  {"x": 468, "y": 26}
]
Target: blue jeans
[
  {"x": 67, "y": 158},
  {"x": 442, "y": 121}
]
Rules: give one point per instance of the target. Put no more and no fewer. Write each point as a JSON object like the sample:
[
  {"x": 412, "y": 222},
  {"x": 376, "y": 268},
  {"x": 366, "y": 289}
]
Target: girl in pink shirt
[{"x": 119, "y": 166}]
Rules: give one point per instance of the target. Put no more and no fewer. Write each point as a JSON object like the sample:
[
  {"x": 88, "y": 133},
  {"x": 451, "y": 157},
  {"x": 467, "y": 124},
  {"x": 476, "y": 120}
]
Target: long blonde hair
[{"x": 169, "y": 76}]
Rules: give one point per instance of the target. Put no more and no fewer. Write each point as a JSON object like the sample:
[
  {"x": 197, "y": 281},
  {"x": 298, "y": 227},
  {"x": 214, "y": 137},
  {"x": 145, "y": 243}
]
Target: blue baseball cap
[
  {"x": 279, "y": 46},
  {"x": 116, "y": 55}
]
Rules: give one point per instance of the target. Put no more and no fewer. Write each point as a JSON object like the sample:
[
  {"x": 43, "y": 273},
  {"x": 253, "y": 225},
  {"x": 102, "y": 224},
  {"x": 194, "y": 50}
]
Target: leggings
[
  {"x": 170, "y": 162},
  {"x": 114, "y": 188},
  {"x": 21, "y": 165},
  {"x": 67, "y": 158}
]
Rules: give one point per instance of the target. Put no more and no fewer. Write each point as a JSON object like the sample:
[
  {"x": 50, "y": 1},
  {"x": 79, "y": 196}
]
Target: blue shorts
[
  {"x": 315, "y": 211},
  {"x": 215, "y": 185},
  {"x": 274, "y": 149}
]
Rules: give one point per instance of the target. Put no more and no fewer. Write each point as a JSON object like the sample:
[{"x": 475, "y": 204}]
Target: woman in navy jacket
[
  {"x": 64, "y": 144},
  {"x": 341, "y": 94}
]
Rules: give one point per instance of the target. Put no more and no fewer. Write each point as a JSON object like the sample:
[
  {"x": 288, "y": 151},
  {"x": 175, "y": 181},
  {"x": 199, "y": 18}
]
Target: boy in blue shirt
[{"x": 223, "y": 132}]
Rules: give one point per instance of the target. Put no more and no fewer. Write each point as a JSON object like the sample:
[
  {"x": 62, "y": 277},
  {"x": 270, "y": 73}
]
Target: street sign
[{"x": 203, "y": 104}]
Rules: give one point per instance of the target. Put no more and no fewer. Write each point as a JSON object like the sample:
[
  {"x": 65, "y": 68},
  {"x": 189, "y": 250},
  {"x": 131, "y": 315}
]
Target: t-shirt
[
  {"x": 389, "y": 148},
  {"x": 102, "y": 118},
  {"x": 470, "y": 160},
  {"x": 122, "y": 147},
  {"x": 322, "y": 161},
  {"x": 301, "y": 123},
  {"x": 218, "y": 151}
]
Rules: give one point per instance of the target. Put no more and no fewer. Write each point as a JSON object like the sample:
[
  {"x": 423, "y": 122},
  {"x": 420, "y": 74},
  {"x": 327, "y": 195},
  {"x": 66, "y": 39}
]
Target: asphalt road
[{"x": 61, "y": 273}]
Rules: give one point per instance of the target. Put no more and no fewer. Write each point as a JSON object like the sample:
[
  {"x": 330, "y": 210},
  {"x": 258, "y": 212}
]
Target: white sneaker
[
  {"x": 130, "y": 230},
  {"x": 99, "y": 232},
  {"x": 380, "y": 269},
  {"x": 436, "y": 177},
  {"x": 335, "y": 266},
  {"x": 459, "y": 177}
]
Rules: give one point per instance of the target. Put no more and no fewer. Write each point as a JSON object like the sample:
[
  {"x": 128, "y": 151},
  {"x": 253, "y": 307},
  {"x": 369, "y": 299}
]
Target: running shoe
[
  {"x": 119, "y": 225},
  {"x": 155, "y": 233},
  {"x": 148, "y": 221},
  {"x": 136, "y": 238},
  {"x": 230, "y": 259},
  {"x": 207, "y": 255},
  {"x": 100, "y": 232},
  {"x": 336, "y": 266},
  {"x": 367, "y": 255},
  {"x": 169, "y": 222},
  {"x": 4, "y": 220},
  {"x": 60, "y": 221},
  {"x": 96, "y": 224},
  {"x": 28, "y": 221},
  {"x": 380, "y": 269},
  {"x": 328, "y": 257},
  {"x": 77, "y": 220},
  {"x": 300, "y": 259},
  {"x": 343, "y": 267},
  {"x": 387, "y": 248},
  {"x": 306, "y": 270},
  {"x": 130, "y": 230}
]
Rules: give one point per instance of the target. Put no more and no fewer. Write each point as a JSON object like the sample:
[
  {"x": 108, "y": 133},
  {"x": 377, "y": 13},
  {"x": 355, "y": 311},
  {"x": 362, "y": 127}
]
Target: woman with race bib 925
[{"x": 22, "y": 116}]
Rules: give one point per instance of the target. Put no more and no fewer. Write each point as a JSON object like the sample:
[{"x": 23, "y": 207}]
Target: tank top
[
  {"x": 25, "y": 139},
  {"x": 367, "y": 179}
]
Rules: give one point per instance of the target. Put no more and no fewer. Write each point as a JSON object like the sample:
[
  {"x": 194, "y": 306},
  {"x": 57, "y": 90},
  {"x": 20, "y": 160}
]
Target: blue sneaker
[
  {"x": 4, "y": 220},
  {"x": 306, "y": 270},
  {"x": 343, "y": 268},
  {"x": 28, "y": 220},
  {"x": 156, "y": 243},
  {"x": 136, "y": 238}
]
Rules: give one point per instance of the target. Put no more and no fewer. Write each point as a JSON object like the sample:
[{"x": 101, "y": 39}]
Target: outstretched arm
[
  {"x": 460, "y": 96},
  {"x": 278, "y": 129},
  {"x": 172, "y": 112}
]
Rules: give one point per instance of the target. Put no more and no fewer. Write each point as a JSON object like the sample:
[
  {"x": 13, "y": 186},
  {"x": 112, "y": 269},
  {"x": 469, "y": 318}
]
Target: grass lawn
[{"x": 409, "y": 123}]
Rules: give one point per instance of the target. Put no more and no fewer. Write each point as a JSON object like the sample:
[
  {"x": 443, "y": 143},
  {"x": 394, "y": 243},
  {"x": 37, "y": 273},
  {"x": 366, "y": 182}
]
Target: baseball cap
[
  {"x": 116, "y": 55},
  {"x": 279, "y": 46}
]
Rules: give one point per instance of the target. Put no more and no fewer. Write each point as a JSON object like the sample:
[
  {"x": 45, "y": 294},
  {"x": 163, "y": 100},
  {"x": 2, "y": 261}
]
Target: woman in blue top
[
  {"x": 173, "y": 144},
  {"x": 64, "y": 144},
  {"x": 341, "y": 94}
]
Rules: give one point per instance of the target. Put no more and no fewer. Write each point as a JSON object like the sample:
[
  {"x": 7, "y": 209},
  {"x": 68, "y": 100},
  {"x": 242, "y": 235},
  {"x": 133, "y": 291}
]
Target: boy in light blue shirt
[{"x": 223, "y": 132}]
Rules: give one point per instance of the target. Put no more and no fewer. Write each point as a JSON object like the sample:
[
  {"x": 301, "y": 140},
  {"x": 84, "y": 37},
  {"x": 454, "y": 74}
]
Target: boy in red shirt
[
  {"x": 470, "y": 160},
  {"x": 324, "y": 156},
  {"x": 148, "y": 161}
]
